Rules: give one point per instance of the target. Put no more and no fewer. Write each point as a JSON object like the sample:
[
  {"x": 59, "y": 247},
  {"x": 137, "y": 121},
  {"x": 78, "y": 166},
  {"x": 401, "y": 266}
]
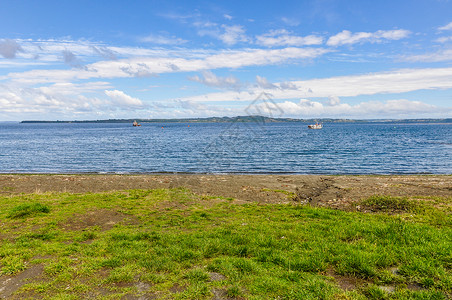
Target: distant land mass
[{"x": 260, "y": 119}]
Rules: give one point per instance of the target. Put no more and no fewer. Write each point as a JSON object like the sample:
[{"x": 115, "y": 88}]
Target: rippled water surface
[{"x": 368, "y": 148}]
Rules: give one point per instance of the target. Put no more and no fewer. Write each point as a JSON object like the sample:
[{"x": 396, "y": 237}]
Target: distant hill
[{"x": 260, "y": 119}]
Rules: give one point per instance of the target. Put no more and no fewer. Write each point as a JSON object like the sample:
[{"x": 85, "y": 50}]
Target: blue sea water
[{"x": 338, "y": 148}]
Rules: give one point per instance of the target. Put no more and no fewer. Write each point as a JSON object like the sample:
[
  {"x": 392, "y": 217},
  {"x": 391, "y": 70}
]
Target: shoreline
[
  {"x": 325, "y": 190},
  {"x": 223, "y": 173}
]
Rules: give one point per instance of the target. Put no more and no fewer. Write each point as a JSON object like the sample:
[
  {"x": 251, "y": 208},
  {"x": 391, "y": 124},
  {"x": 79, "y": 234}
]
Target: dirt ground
[{"x": 331, "y": 191}]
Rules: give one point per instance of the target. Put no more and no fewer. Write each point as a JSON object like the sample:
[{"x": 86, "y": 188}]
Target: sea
[{"x": 232, "y": 148}]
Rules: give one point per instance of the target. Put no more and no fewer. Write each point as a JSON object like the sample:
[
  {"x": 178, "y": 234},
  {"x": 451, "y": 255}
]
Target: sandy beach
[{"x": 329, "y": 191}]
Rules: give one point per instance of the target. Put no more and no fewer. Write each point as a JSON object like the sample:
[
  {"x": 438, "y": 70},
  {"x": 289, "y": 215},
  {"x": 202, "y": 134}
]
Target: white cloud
[
  {"x": 287, "y": 85},
  {"x": 9, "y": 48},
  {"x": 50, "y": 51},
  {"x": 210, "y": 79},
  {"x": 346, "y": 37},
  {"x": 334, "y": 100},
  {"x": 122, "y": 99},
  {"x": 400, "y": 108},
  {"x": 228, "y": 17},
  {"x": 263, "y": 83},
  {"x": 283, "y": 37},
  {"x": 233, "y": 35},
  {"x": 71, "y": 60},
  {"x": 59, "y": 99},
  {"x": 446, "y": 27},
  {"x": 444, "y": 39},
  {"x": 150, "y": 66},
  {"x": 400, "y": 81},
  {"x": 228, "y": 34},
  {"x": 105, "y": 52},
  {"x": 442, "y": 55},
  {"x": 163, "y": 40}
]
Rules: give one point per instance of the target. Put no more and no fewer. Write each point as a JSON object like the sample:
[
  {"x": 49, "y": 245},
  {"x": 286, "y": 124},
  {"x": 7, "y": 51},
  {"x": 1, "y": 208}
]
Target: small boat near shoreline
[
  {"x": 136, "y": 124},
  {"x": 315, "y": 126}
]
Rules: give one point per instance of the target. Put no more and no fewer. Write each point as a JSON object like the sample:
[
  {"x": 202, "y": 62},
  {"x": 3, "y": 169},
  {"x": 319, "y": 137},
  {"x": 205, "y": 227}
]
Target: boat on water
[
  {"x": 315, "y": 126},
  {"x": 135, "y": 123}
]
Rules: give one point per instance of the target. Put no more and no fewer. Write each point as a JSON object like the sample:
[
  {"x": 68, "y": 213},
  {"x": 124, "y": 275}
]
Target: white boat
[
  {"x": 135, "y": 123},
  {"x": 315, "y": 126}
]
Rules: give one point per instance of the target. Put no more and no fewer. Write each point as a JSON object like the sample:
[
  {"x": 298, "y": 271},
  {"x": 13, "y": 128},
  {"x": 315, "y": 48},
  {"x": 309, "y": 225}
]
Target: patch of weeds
[
  {"x": 64, "y": 296},
  {"x": 356, "y": 264},
  {"x": 233, "y": 267},
  {"x": 153, "y": 278},
  {"x": 111, "y": 263},
  {"x": 199, "y": 290},
  {"x": 54, "y": 268},
  {"x": 12, "y": 265},
  {"x": 373, "y": 292},
  {"x": 86, "y": 236},
  {"x": 312, "y": 264},
  {"x": 8, "y": 189},
  {"x": 312, "y": 288},
  {"x": 122, "y": 274},
  {"x": 383, "y": 203},
  {"x": 197, "y": 275},
  {"x": 38, "y": 287},
  {"x": 423, "y": 294},
  {"x": 233, "y": 291},
  {"x": 181, "y": 254},
  {"x": 157, "y": 263},
  {"x": 27, "y": 210}
]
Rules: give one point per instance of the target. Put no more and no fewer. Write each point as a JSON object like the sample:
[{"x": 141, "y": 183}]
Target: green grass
[
  {"x": 169, "y": 243},
  {"x": 27, "y": 209}
]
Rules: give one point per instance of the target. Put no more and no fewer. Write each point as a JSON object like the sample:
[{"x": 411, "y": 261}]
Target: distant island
[{"x": 260, "y": 119}]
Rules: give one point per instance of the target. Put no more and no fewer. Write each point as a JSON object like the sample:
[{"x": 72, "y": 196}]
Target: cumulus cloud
[
  {"x": 400, "y": 81},
  {"x": 9, "y": 48},
  {"x": 59, "y": 99},
  {"x": 276, "y": 38},
  {"x": 122, "y": 99},
  {"x": 228, "y": 34},
  {"x": 446, "y": 27},
  {"x": 210, "y": 79},
  {"x": 400, "y": 108},
  {"x": 346, "y": 37},
  {"x": 233, "y": 35}
]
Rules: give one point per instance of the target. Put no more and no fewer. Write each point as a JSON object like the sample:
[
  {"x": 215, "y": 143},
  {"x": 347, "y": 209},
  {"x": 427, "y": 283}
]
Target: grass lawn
[{"x": 172, "y": 244}]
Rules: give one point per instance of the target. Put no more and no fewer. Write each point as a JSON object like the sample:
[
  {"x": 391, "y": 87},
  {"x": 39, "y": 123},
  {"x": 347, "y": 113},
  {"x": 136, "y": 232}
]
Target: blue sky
[{"x": 66, "y": 60}]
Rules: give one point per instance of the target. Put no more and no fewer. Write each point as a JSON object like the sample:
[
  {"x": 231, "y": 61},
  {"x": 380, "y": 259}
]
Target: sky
[{"x": 89, "y": 60}]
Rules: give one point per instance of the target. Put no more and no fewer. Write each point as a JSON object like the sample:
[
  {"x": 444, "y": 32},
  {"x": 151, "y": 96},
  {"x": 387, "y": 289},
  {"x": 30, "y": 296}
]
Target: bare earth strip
[{"x": 331, "y": 191}]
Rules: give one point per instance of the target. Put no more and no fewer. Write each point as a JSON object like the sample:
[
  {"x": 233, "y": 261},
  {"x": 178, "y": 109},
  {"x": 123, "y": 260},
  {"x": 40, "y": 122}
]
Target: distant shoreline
[{"x": 247, "y": 119}]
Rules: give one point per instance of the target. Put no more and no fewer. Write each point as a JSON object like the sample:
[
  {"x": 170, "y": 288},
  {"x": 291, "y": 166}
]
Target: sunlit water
[{"x": 366, "y": 148}]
